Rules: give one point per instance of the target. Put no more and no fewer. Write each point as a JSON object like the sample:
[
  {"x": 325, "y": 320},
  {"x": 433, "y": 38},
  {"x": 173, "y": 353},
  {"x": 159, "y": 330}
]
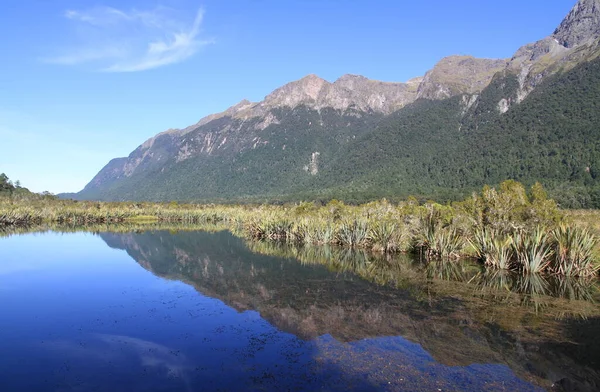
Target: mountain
[
  {"x": 440, "y": 316},
  {"x": 465, "y": 123},
  {"x": 581, "y": 26},
  {"x": 457, "y": 75}
]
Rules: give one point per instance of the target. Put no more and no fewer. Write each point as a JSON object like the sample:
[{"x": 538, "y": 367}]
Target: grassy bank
[{"x": 508, "y": 228}]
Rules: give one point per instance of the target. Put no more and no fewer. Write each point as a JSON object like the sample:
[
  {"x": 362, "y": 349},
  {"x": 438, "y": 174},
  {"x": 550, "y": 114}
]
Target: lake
[{"x": 182, "y": 310}]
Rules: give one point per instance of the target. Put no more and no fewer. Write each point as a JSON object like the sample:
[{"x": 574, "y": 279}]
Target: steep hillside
[
  {"x": 446, "y": 149},
  {"x": 243, "y": 160},
  {"x": 466, "y": 123}
]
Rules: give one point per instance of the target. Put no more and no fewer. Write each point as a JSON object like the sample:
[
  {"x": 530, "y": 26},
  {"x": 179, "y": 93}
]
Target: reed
[{"x": 383, "y": 236}]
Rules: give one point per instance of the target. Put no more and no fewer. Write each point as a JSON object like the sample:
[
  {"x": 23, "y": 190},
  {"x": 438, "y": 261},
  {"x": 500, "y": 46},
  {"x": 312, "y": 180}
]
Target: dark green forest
[
  {"x": 440, "y": 150},
  {"x": 430, "y": 149}
]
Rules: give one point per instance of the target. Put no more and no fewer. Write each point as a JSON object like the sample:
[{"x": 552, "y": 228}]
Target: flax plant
[
  {"x": 533, "y": 251},
  {"x": 573, "y": 252}
]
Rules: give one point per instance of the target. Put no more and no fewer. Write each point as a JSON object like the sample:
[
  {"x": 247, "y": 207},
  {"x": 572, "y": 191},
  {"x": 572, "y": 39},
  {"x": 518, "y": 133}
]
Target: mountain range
[
  {"x": 304, "y": 299},
  {"x": 465, "y": 123}
]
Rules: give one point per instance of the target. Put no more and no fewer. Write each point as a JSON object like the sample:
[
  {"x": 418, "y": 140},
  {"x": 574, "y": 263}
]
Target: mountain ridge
[{"x": 304, "y": 125}]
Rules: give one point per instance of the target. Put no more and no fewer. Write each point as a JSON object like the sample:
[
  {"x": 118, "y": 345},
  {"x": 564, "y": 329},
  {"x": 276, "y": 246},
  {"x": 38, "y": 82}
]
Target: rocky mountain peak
[
  {"x": 295, "y": 93},
  {"x": 581, "y": 25},
  {"x": 348, "y": 77},
  {"x": 348, "y": 91},
  {"x": 239, "y": 107},
  {"x": 415, "y": 81},
  {"x": 350, "y": 80},
  {"x": 243, "y": 102},
  {"x": 456, "y": 75},
  {"x": 576, "y": 40}
]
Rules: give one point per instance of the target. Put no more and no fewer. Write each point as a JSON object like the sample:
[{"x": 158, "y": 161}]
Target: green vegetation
[
  {"x": 506, "y": 228},
  {"x": 5, "y": 184},
  {"x": 11, "y": 190},
  {"x": 440, "y": 150}
]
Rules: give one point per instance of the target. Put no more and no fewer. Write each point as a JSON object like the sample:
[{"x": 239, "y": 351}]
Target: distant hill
[{"x": 466, "y": 123}]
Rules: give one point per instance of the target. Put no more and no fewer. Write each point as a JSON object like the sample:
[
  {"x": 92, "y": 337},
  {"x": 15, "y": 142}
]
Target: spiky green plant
[
  {"x": 449, "y": 243},
  {"x": 573, "y": 252},
  {"x": 443, "y": 243},
  {"x": 435, "y": 239},
  {"x": 353, "y": 233},
  {"x": 325, "y": 234},
  {"x": 382, "y": 234},
  {"x": 278, "y": 229},
  {"x": 317, "y": 231},
  {"x": 533, "y": 251},
  {"x": 493, "y": 248}
]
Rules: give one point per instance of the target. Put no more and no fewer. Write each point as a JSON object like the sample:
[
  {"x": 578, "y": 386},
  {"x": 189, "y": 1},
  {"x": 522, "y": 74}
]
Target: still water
[{"x": 199, "y": 311}]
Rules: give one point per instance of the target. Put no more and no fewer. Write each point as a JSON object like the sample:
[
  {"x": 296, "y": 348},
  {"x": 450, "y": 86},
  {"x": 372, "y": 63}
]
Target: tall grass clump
[
  {"x": 383, "y": 235},
  {"x": 18, "y": 217},
  {"x": 436, "y": 240},
  {"x": 533, "y": 251},
  {"x": 573, "y": 252},
  {"x": 353, "y": 233},
  {"x": 317, "y": 231},
  {"x": 493, "y": 248}
]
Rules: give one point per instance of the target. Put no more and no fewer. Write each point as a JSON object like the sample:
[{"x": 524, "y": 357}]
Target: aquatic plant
[
  {"x": 499, "y": 224},
  {"x": 573, "y": 252},
  {"x": 316, "y": 231},
  {"x": 532, "y": 251},
  {"x": 353, "y": 233},
  {"x": 436, "y": 241},
  {"x": 383, "y": 234},
  {"x": 18, "y": 217},
  {"x": 493, "y": 248}
]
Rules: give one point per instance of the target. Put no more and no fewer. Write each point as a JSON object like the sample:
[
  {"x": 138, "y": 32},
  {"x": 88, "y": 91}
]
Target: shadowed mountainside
[
  {"x": 468, "y": 122},
  {"x": 456, "y": 323}
]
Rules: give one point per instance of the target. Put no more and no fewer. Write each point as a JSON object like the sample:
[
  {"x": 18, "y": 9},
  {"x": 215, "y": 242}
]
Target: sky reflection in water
[{"x": 79, "y": 315}]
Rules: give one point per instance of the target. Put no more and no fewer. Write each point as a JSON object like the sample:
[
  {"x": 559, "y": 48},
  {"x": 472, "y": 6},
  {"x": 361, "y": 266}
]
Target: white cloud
[{"x": 114, "y": 40}]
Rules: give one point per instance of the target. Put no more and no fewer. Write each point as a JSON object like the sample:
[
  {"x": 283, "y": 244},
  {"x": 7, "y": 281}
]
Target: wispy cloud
[{"x": 114, "y": 40}]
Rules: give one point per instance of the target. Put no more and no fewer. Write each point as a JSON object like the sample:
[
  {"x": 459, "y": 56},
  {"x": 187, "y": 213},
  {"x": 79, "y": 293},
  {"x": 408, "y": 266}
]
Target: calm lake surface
[{"x": 199, "y": 311}]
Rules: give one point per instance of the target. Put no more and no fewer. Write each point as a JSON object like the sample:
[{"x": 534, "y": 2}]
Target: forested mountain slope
[
  {"x": 466, "y": 123},
  {"x": 444, "y": 150}
]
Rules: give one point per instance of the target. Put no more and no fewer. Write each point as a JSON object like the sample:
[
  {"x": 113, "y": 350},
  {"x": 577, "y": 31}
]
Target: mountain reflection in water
[{"x": 455, "y": 314}]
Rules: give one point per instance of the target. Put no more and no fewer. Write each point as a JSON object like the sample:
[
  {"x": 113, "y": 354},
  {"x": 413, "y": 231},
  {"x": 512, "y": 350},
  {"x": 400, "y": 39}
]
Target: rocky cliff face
[
  {"x": 581, "y": 26},
  {"x": 301, "y": 111},
  {"x": 574, "y": 41},
  {"x": 348, "y": 91}
]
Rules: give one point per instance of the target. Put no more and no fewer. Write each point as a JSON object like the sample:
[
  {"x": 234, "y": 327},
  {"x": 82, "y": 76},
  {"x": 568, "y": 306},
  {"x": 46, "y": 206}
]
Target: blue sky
[{"x": 82, "y": 81}]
